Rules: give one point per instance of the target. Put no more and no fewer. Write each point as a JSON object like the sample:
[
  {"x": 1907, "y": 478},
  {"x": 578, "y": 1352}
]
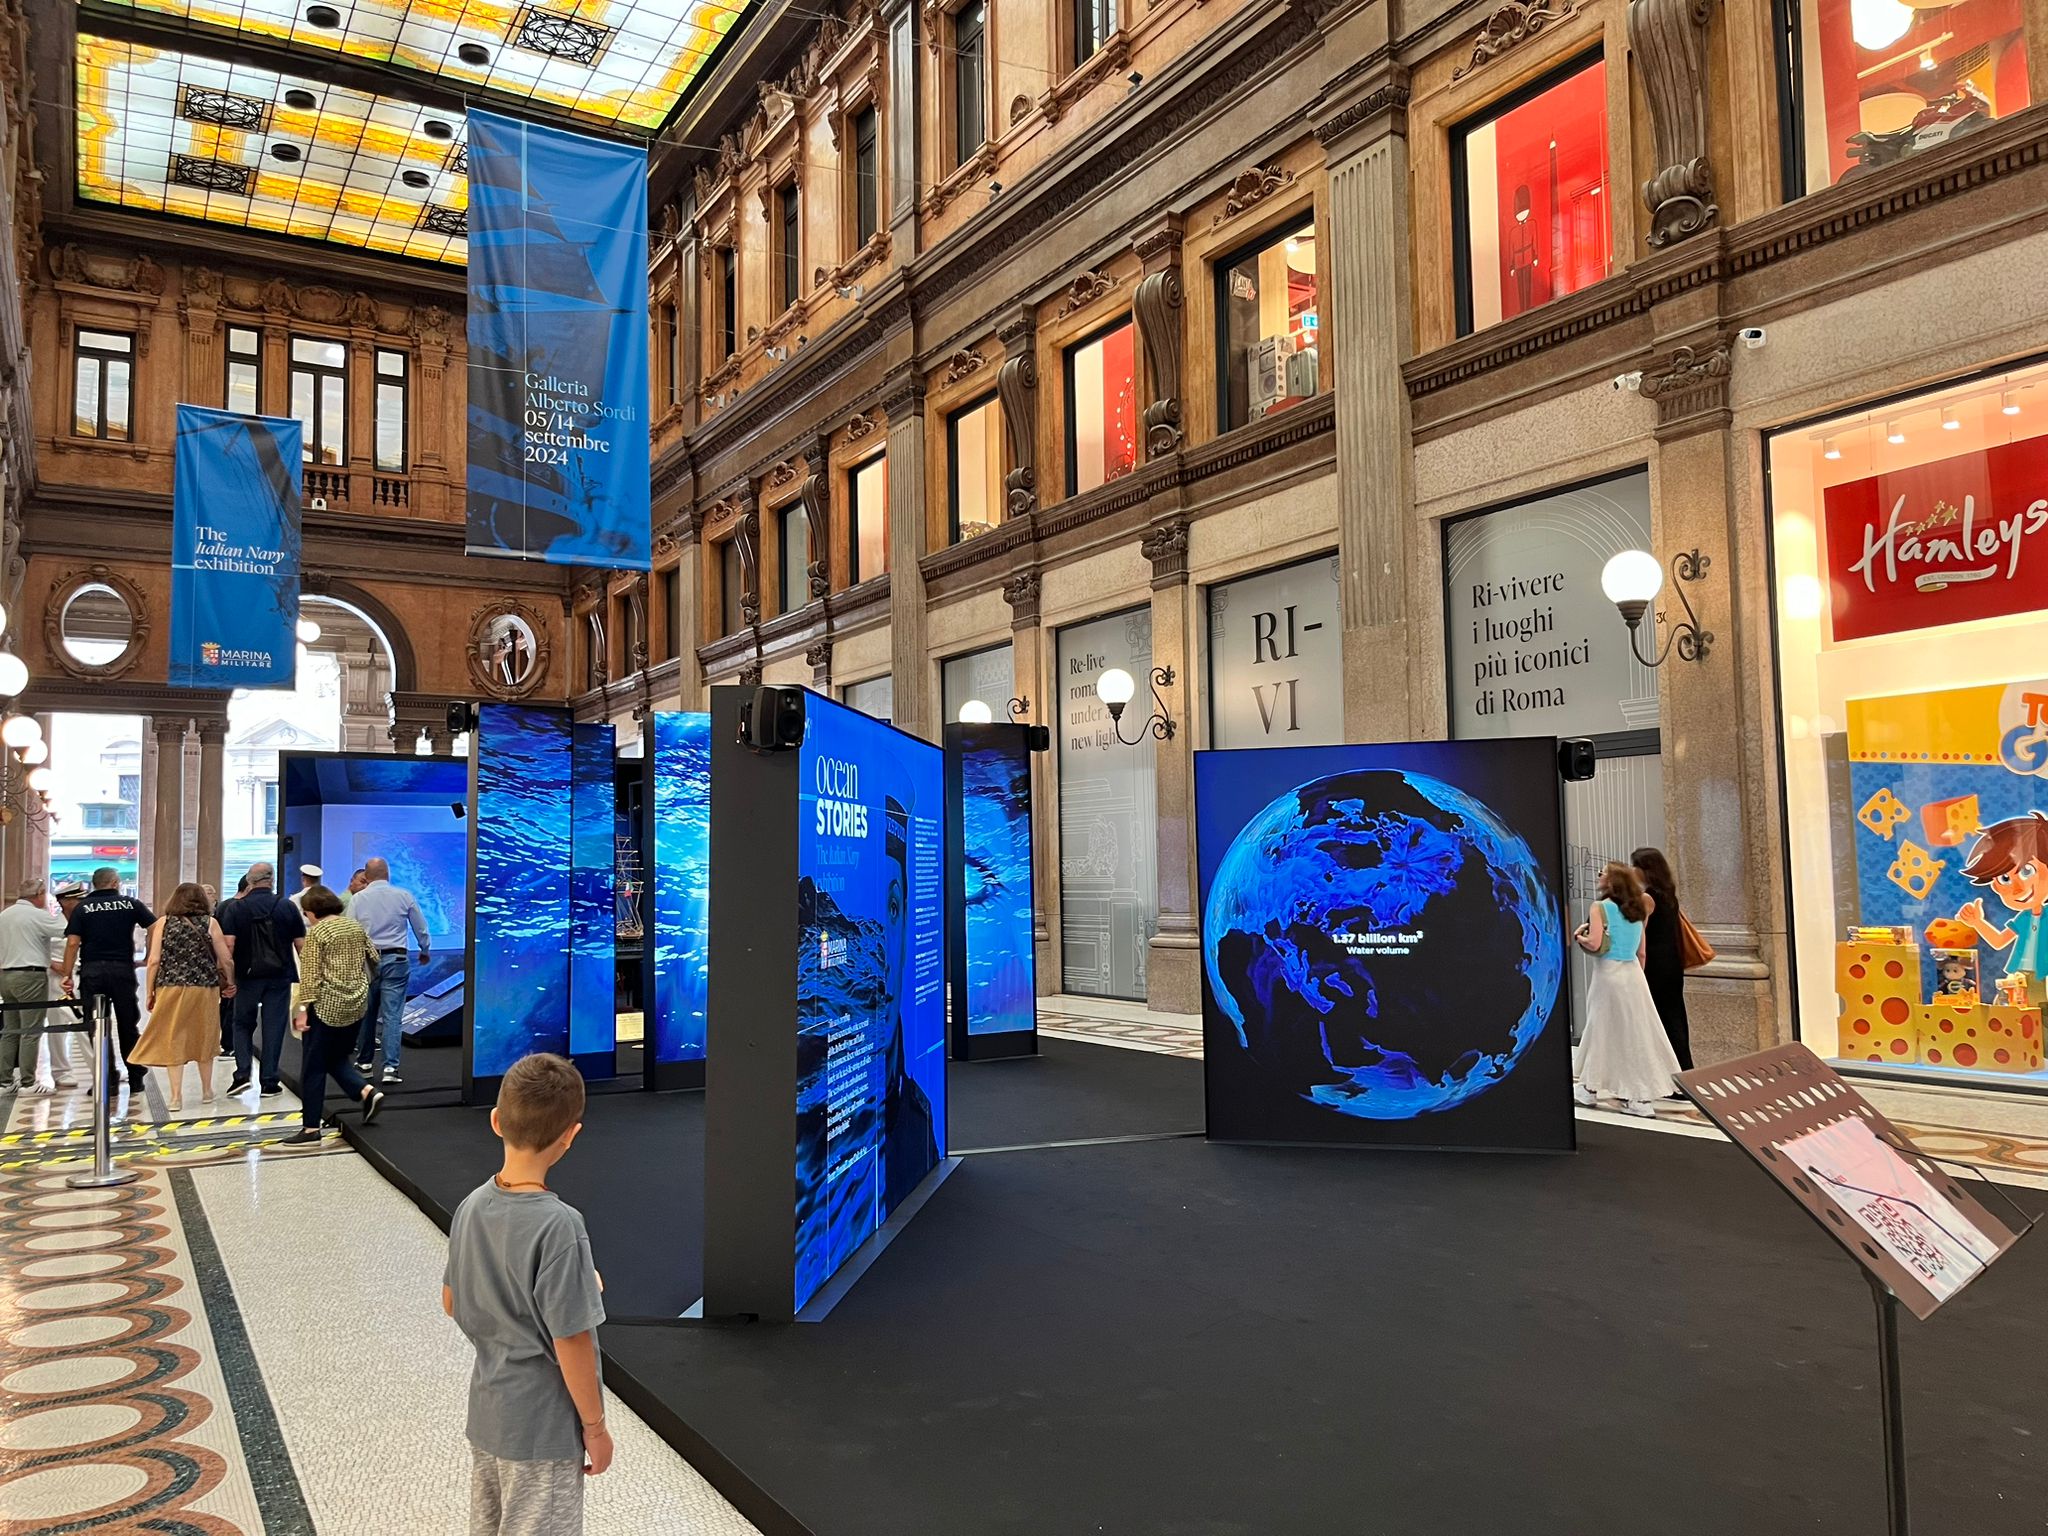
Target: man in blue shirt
[
  {"x": 386, "y": 911},
  {"x": 263, "y": 934}
]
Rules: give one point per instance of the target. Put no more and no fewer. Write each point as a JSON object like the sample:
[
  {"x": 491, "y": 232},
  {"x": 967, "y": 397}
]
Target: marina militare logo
[{"x": 213, "y": 654}]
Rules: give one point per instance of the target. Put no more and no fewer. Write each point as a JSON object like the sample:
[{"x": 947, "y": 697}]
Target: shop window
[
  {"x": 732, "y": 586},
  {"x": 795, "y": 529},
  {"x": 789, "y": 244},
  {"x": 875, "y": 697},
  {"x": 245, "y": 371},
  {"x": 1269, "y": 328},
  {"x": 320, "y": 399},
  {"x": 1865, "y": 83},
  {"x": 970, "y": 80},
  {"x": 728, "y": 302},
  {"x": 672, "y": 609},
  {"x": 1910, "y": 555},
  {"x": 1102, "y": 409},
  {"x": 105, "y": 371},
  {"x": 269, "y": 828},
  {"x": 1529, "y": 197},
  {"x": 1094, "y": 20},
  {"x": 981, "y": 677},
  {"x": 867, "y": 175},
  {"x": 391, "y": 413},
  {"x": 974, "y": 453},
  {"x": 867, "y": 495}
]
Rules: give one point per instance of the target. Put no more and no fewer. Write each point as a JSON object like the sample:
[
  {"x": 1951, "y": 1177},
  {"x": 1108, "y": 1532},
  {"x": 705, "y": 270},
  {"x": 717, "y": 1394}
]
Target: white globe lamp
[
  {"x": 35, "y": 752},
  {"x": 40, "y": 779},
  {"x": 1115, "y": 688},
  {"x": 20, "y": 730},
  {"x": 1632, "y": 580},
  {"x": 974, "y": 712},
  {"x": 308, "y": 631},
  {"x": 13, "y": 673}
]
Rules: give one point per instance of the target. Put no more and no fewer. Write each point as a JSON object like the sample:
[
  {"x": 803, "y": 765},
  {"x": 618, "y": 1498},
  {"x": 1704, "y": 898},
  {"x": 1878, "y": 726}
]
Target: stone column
[
  {"x": 1031, "y": 679},
  {"x": 688, "y": 616},
  {"x": 167, "y": 832},
  {"x": 1173, "y": 982},
  {"x": 205, "y": 362},
  {"x": 213, "y": 734},
  {"x": 910, "y": 650},
  {"x": 1368, "y": 318}
]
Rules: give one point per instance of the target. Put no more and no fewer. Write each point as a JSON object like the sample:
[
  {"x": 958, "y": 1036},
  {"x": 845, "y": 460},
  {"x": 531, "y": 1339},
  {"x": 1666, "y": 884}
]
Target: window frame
[
  {"x": 402, "y": 383},
  {"x": 732, "y": 594},
  {"x": 953, "y": 419},
  {"x": 1220, "y": 267},
  {"x": 962, "y": 150},
  {"x": 867, "y": 184},
  {"x": 102, "y": 356},
  {"x": 1461, "y": 132},
  {"x": 789, "y": 242},
  {"x": 1068, "y": 355},
  {"x": 727, "y": 275},
  {"x": 1788, "y": 57},
  {"x": 1087, "y": 41},
  {"x": 253, "y": 361},
  {"x": 672, "y": 605},
  {"x": 785, "y": 515},
  {"x": 310, "y": 432},
  {"x": 854, "y": 575}
]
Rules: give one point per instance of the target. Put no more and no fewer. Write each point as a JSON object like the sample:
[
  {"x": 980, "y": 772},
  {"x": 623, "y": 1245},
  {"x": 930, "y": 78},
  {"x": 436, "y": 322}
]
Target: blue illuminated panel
[{"x": 682, "y": 883}]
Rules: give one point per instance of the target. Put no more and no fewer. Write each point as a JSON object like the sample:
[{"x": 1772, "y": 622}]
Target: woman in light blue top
[{"x": 1624, "y": 1053}]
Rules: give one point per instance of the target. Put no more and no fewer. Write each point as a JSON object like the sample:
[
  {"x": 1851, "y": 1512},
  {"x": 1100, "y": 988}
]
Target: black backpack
[{"x": 266, "y": 951}]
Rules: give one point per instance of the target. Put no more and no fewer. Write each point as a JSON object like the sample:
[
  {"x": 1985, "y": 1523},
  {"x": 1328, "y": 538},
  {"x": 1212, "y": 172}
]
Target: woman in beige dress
[{"x": 189, "y": 973}]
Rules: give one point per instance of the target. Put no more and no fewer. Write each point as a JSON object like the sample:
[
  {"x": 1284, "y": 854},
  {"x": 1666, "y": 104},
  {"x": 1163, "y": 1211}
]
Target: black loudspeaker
[
  {"x": 1038, "y": 738},
  {"x": 772, "y": 720},
  {"x": 1575, "y": 758},
  {"x": 461, "y": 717}
]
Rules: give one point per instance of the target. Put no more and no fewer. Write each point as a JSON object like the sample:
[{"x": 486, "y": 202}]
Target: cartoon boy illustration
[{"x": 2012, "y": 858}]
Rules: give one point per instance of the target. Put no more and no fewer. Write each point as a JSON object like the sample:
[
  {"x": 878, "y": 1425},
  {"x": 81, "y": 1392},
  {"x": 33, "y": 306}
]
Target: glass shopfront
[{"x": 1910, "y": 553}]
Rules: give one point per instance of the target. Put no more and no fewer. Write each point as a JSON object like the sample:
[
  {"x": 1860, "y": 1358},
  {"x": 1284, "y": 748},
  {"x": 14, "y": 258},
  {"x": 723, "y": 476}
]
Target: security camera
[
  {"x": 994, "y": 188},
  {"x": 1136, "y": 79},
  {"x": 318, "y": 504},
  {"x": 777, "y": 354},
  {"x": 1751, "y": 336},
  {"x": 854, "y": 291},
  {"x": 1630, "y": 381}
]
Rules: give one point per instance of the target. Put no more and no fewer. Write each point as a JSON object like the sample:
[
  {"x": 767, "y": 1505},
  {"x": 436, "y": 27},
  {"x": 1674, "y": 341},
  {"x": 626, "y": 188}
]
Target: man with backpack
[{"x": 263, "y": 932}]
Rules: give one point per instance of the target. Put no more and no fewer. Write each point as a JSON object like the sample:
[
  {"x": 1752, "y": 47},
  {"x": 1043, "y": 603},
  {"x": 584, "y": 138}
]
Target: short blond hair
[{"x": 539, "y": 1099}]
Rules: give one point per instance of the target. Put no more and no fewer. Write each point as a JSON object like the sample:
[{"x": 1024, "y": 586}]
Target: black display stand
[
  {"x": 1011, "y": 742},
  {"x": 1772, "y": 1105}
]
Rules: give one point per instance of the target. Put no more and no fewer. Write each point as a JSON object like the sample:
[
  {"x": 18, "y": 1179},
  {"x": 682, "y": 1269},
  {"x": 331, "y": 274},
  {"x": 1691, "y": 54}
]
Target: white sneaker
[
  {"x": 1642, "y": 1109},
  {"x": 1583, "y": 1096},
  {"x": 41, "y": 1087},
  {"x": 10, "y": 1084}
]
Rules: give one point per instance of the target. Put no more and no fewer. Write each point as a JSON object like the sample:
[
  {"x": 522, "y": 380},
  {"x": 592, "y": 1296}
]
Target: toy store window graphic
[
  {"x": 1102, "y": 409},
  {"x": 1530, "y": 197},
  {"x": 1874, "y": 82},
  {"x": 1270, "y": 328}
]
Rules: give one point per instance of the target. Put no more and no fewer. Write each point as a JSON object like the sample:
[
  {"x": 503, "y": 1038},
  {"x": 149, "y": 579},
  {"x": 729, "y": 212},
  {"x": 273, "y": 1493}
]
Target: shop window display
[
  {"x": 1879, "y": 80},
  {"x": 1102, "y": 409},
  {"x": 1910, "y": 544},
  {"x": 975, "y": 444},
  {"x": 1270, "y": 327},
  {"x": 1531, "y": 197}
]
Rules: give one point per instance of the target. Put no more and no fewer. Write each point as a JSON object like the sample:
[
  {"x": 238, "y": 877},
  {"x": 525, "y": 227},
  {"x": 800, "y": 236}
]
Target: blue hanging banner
[
  {"x": 234, "y": 551},
  {"x": 558, "y": 444}
]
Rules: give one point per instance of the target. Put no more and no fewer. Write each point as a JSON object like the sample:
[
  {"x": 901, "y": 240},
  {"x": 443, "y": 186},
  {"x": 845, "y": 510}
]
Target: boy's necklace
[{"x": 520, "y": 1184}]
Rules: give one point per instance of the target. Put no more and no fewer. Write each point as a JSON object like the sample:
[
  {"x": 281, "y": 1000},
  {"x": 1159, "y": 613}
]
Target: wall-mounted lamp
[
  {"x": 1116, "y": 687},
  {"x": 974, "y": 712},
  {"x": 1632, "y": 580},
  {"x": 1019, "y": 708}
]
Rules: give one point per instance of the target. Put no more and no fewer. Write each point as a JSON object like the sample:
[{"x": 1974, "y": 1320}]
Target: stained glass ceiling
[{"x": 624, "y": 63}]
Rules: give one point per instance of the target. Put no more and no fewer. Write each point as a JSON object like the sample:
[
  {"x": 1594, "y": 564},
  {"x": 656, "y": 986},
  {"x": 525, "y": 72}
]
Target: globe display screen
[{"x": 1383, "y": 945}]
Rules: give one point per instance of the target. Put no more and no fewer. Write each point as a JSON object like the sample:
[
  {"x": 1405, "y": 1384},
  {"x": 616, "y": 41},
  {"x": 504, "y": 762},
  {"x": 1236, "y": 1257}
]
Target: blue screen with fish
[
  {"x": 523, "y": 779},
  {"x": 995, "y": 879},
  {"x": 682, "y": 883}
]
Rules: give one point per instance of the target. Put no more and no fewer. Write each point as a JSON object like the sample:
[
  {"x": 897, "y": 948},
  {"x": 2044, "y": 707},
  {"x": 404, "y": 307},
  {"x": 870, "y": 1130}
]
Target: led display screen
[
  {"x": 992, "y": 960},
  {"x": 593, "y": 906},
  {"x": 1383, "y": 945},
  {"x": 870, "y": 976},
  {"x": 682, "y": 883}
]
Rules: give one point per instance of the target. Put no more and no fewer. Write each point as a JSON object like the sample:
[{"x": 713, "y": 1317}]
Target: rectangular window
[
  {"x": 980, "y": 677},
  {"x": 105, "y": 370},
  {"x": 672, "y": 609},
  {"x": 391, "y": 427},
  {"x": 672, "y": 345},
  {"x": 130, "y": 791},
  {"x": 1094, "y": 20},
  {"x": 970, "y": 79},
  {"x": 728, "y": 302},
  {"x": 731, "y": 586},
  {"x": 101, "y": 818},
  {"x": 1269, "y": 329},
  {"x": 270, "y": 808},
  {"x": 795, "y": 526},
  {"x": 1529, "y": 196},
  {"x": 1102, "y": 409},
  {"x": 1870, "y": 82},
  {"x": 791, "y": 245},
  {"x": 974, "y": 454},
  {"x": 867, "y": 178},
  {"x": 867, "y": 494},
  {"x": 320, "y": 398},
  {"x": 245, "y": 371}
]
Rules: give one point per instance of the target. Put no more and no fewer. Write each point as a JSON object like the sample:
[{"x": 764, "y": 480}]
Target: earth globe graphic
[{"x": 1383, "y": 944}]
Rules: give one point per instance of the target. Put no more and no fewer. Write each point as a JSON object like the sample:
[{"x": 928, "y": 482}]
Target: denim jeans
[
  {"x": 393, "y": 972},
  {"x": 264, "y": 1005},
  {"x": 367, "y": 1027}
]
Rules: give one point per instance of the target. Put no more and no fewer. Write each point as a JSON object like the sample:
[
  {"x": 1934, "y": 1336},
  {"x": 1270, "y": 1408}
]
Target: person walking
[
  {"x": 99, "y": 949},
  {"x": 189, "y": 968},
  {"x": 227, "y": 1004},
  {"x": 1663, "y": 953},
  {"x": 62, "y": 1060},
  {"x": 27, "y": 979},
  {"x": 386, "y": 911},
  {"x": 335, "y": 966},
  {"x": 263, "y": 933},
  {"x": 1623, "y": 1053}
]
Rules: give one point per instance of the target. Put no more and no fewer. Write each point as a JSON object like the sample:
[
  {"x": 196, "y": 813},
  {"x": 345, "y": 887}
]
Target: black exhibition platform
[
  {"x": 1166, "y": 1337},
  {"x": 434, "y": 1072}
]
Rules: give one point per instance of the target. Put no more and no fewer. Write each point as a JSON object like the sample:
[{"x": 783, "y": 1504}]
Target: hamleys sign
[{"x": 1943, "y": 543}]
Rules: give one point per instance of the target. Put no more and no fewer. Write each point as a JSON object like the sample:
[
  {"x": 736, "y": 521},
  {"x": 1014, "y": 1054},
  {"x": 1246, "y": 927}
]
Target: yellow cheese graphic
[
  {"x": 1913, "y": 871},
  {"x": 1882, "y": 812}
]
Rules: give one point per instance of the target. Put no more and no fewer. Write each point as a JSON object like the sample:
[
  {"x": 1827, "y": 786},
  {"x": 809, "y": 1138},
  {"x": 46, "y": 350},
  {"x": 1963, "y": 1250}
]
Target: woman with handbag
[
  {"x": 1671, "y": 947},
  {"x": 336, "y": 966},
  {"x": 1623, "y": 1054}
]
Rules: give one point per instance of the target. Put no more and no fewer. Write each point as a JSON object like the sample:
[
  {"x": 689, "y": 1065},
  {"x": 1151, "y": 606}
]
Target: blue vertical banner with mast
[
  {"x": 234, "y": 551},
  {"x": 558, "y": 391}
]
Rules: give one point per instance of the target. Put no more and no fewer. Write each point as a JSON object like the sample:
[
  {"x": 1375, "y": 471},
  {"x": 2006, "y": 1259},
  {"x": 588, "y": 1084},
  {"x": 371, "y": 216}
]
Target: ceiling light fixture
[
  {"x": 325, "y": 17},
  {"x": 1828, "y": 450},
  {"x": 2007, "y": 405},
  {"x": 436, "y": 128},
  {"x": 288, "y": 153},
  {"x": 301, "y": 101},
  {"x": 474, "y": 53},
  {"x": 414, "y": 178},
  {"x": 1892, "y": 434},
  {"x": 1950, "y": 422}
]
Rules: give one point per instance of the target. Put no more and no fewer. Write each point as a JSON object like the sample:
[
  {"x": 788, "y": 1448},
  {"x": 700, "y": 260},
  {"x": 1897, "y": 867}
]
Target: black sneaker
[
  {"x": 273, "y": 1090},
  {"x": 371, "y": 1105},
  {"x": 366, "y": 1067},
  {"x": 305, "y": 1138},
  {"x": 239, "y": 1085}
]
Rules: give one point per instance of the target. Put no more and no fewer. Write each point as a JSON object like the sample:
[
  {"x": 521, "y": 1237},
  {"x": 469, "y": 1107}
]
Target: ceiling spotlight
[
  {"x": 2007, "y": 404},
  {"x": 437, "y": 128},
  {"x": 1892, "y": 434},
  {"x": 325, "y": 17},
  {"x": 288, "y": 153},
  {"x": 1828, "y": 450},
  {"x": 414, "y": 178},
  {"x": 1950, "y": 422},
  {"x": 474, "y": 53},
  {"x": 301, "y": 101}
]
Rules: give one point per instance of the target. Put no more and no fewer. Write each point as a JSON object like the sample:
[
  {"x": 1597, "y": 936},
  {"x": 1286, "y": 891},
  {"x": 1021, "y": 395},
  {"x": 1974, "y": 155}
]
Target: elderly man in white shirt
[
  {"x": 386, "y": 912},
  {"x": 27, "y": 929}
]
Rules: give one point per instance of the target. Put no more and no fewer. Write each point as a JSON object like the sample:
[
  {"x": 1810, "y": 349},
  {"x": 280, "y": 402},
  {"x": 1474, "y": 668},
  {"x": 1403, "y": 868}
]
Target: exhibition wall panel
[
  {"x": 991, "y": 956},
  {"x": 682, "y": 896}
]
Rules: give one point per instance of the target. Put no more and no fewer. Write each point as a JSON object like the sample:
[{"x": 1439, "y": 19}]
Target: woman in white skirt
[{"x": 1624, "y": 1053}]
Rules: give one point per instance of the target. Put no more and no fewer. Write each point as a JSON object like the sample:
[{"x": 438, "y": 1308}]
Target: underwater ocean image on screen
[
  {"x": 521, "y": 990},
  {"x": 682, "y": 883},
  {"x": 995, "y": 770},
  {"x": 593, "y": 910},
  {"x": 871, "y": 1050},
  {"x": 1381, "y": 943}
]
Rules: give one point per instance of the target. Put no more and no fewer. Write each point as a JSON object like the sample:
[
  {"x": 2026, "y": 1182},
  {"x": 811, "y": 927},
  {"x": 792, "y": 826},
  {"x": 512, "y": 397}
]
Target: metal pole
[
  {"x": 1893, "y": 1404},
  {"x": 104, "y": 1174}
]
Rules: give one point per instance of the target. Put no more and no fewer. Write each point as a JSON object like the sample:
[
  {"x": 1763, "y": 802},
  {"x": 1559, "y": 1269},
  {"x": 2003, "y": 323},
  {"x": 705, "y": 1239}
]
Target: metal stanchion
[{"x": 104, "y": 1174}]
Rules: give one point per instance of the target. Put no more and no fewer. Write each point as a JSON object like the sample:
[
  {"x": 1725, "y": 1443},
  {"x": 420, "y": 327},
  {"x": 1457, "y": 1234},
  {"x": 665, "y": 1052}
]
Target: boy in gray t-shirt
[{"x": 521, "y": 1286}]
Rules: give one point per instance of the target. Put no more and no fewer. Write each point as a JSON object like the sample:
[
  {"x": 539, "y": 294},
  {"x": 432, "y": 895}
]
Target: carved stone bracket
[
  {"x": 816, "y": 496},
  {"x": 1112, "y": 58},
  {"x": 1252, "y": 188},
  {"x": 1166, "y": 546},
  {"x": 1513, "y": 23},
  {"x": 750, "y": 674},
  {"x": 963, "y": 364},
  {"x": 876, "y": 249},
  {"x": 1691, "y": 387},
  {"x": 1021, "y": 593},
  {"x": 1017, "y": 385},
  {"x": 1157, "y": 304},
  {"x": 818, "y": 657},
  {"x": 980, "y": 164},
  {"x": 858, "y": 426},
  {"x": 1669, "y": 41},
  {"x": 1085, "y": 290},
  {"x": 131, "y": 272}
]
